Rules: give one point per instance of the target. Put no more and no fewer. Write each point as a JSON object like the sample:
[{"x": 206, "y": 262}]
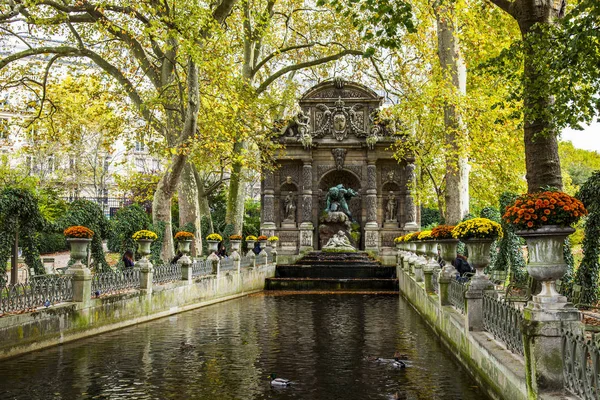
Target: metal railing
[
  {"x": 42, "y": 290},
  {"x": 245, "y": 262},
  {"x": 227, "y": 264},
  {"x": 504, "y": 320},
  {"x": 201, "y": 268},
  {"x": 581, "y": 365},
  {"x": 456, "y": 294},
  {"x": 166, "y": 273},
  {"x": 115, "y": 281}
]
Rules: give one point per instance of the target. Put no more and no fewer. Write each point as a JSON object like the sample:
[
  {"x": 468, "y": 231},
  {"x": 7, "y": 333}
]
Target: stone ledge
[{"x": 500, "y": 373}]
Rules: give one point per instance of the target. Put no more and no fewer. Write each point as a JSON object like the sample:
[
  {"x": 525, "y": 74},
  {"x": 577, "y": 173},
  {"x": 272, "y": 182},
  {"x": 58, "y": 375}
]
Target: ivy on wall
[
  {"x": 89, "y": 214},
  {"x": 509, "y": 255},
  {"x": 19, "y": 211},
  {"x": 587, "y": 274}
]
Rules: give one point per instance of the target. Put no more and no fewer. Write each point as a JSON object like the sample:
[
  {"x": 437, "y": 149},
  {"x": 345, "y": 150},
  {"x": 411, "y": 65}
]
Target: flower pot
[
  {"x": 263, "y": 243},
  {"x": 448, "y": 249},
  {"x": 250, "y": 244},
  {"x": 184, "y": 246},
  {"x": 272, "y": 245},
  {"x": 421, "y": 248},
  {"x": 78, "y": 248},
  {"x": 431, "y": 247},
  {"x": 144, "y": 247},
  {"x": 479, "y": 253},
  {"x": 213, "y": 245},
  {"x": 235, "y": 244},
  {"x": 546, "y": 260}
]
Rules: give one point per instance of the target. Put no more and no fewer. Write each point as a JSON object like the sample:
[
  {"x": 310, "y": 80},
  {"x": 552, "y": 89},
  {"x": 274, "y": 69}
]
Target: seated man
[{"x": 462, "y": 265}]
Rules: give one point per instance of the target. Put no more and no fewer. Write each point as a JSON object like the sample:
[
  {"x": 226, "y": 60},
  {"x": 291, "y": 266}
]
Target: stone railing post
[
  {"x": 274, "y": 254},
  {"x": 214, "y": 260},
  {"x": 444, "y": 280},
  {"x": 82, "y": 285},
  {"x": 252, "y": 257},
  {"x": 474, "y": 304},
  {"x": 146, "y": 274},
  {"x": 186, "y": 267},
  {"x": 419, "y": 264},
  {"x": 263, "y": 257},
  {"x": 428, "y": 270},
  {"x": 237, "y": 261}
]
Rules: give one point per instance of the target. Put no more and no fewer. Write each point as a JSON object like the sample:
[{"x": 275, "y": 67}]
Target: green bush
[
  {"x": 124, "y": 224},
  {"x": 430, "y": 217},
  {"x": 52, "y": 242},
  {"x": 89, "y": 214}
]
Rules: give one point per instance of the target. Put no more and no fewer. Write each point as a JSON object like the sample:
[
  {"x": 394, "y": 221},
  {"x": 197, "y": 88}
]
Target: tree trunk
[
  {"x": 161, "y": 206},
  {"x": 541, "y": 144},
  {"x": 189, "y": 210},
  {"x": 235, "y": 201},
  {"x": 457, "y": 172}
]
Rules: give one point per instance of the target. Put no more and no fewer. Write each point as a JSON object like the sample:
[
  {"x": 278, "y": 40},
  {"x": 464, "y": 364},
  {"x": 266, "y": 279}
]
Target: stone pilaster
[
  {"x": 371, "y": 226},
  {"x": 307, "y": 227},
  {"x": 146, "y": 274},
  {"x": 82, "y": 283},
  {"x": 410, "y": 209},
  {"x": 267, "y": 226}
]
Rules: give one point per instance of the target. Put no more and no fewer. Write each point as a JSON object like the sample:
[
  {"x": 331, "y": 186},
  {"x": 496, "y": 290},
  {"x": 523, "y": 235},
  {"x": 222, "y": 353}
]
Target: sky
[{"x": 587, "y": 139}]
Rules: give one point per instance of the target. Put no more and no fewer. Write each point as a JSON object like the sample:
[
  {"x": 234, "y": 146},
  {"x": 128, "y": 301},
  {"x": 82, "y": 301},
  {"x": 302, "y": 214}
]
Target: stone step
[
  {"x": 330, "y": 284},
  {"x": 338, "y": 271}
]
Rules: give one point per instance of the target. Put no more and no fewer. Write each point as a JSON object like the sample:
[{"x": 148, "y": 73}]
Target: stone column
[
  {"x": 186, "y": 267},
  {"x": 306, "y": 227},
  {"x": 474, "y": 305},
  {"x": 410, "y": 209},
  {"x": 267, "y": 227},
  {"x": 371, "y": 227}
]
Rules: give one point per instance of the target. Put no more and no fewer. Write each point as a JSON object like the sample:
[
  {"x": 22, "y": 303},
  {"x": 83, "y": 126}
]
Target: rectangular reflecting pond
[{"x": 323, "y": 343}]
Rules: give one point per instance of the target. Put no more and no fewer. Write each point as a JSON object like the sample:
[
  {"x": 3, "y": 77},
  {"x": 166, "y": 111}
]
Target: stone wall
[
  {"x": 500, "y": 373},
  {"x": 70, "y": 321}
]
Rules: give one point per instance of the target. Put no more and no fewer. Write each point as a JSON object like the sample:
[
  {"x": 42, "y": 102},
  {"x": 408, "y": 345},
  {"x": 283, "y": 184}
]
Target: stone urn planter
[
  {"x": 546, "y": 259},
  {"x": 78, "y": 249},
  {"x": 479, "y": 254},
  {"x": 412, "y": 246},
  {"x": 448, "y": 249},
  {"x": 421, "y": 248},
  {"x": 262, "y": 243},
  {"x": 250, "y": 244},
  {"x": 235, "y": 244},
  {"x": 431, "y": 247},
  {"x": 144, "y": 247},
  {"x": 184, "y": 246},
  {"x": 212, "y": 245}
]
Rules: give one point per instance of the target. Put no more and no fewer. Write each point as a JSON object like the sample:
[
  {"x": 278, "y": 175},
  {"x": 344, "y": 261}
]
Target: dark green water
[{"x": 226, "y": 351}]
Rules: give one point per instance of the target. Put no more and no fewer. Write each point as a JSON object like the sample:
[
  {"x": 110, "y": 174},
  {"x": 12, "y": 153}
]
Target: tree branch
[
  {"x": 505, "y": 5},
  {"x": 280, "y": 51},
  {"x": 263, "y": 86}
]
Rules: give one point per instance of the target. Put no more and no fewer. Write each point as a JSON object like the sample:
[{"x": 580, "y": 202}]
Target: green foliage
[
  {"x": 578, "y": 164},
  {"x": 19, "y": 210},
  {"x": 124, "y": 224},
  {"x": 51, "y": 206},
  {"x": 567, "y": 279},
  {"x": 52, "y": 242},
  {"x": 156, "y": 247},
  {"x": 251, "y": 224},
  {"x": 430, "y": 217},
  {"x": 493, "y": 214},
  {"x": 89, "y": 214},
  {"x": 509, "y": 255},
  {"x": 587, "y": 273},
  {"x": 381, "y": 20}
]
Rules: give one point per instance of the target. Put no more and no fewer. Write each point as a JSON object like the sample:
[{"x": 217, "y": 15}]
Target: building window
[
  {"x": 139, "y": 163},
  {"x": 4, "y": 131},
  {"x": 140, "y": 147}
]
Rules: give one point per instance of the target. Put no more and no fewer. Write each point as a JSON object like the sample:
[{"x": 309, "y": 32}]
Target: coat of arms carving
[{"x": 339, "y": 120}]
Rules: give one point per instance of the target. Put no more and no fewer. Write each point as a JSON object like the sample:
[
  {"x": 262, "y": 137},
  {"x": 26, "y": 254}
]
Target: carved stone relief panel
[
  {"x": 292, "y": 170},
  {"x": 307, "y": 208},
  {"x": 288, "y": 238},
  {"x": 371, "y": 176},
  {"x": 391, "y": 173},
  {"x": 268, "y": 208},
  {"x": 387, "y": 239},
  {"x": 371, "y": 239},
  {"x": 339, "y": 156},
  {"x": 306, "y": 238},
  {"x": 307, "y": 177},
  {"x": 371, "y": 208}
]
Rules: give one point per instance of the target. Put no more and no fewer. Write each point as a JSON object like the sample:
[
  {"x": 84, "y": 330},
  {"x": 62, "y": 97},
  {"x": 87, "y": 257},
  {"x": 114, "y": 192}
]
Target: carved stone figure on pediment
[{"x": 302, "y": 123}]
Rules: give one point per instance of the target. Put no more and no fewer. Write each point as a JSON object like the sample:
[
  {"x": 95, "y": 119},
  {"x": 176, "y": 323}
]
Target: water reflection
[{"x": 227, "y": 351}]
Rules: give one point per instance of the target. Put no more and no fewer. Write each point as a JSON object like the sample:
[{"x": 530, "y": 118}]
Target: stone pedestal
[
  {"x": 214, "y": 259},
  {"x": 306, "y": 237},
  {"x": 146, "y": 274},
  {"x": 444, "y": 279},
  {"x": 419, "y": 265},
  {"x": 543, "y": 347},
  {"x": 186, "y": 267},
  {"x": 237, "y": 261},
  {"x": 82, "y": 284},
  {"x": 474, "y": 304},
  {"x": 428, "y": 277}
]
